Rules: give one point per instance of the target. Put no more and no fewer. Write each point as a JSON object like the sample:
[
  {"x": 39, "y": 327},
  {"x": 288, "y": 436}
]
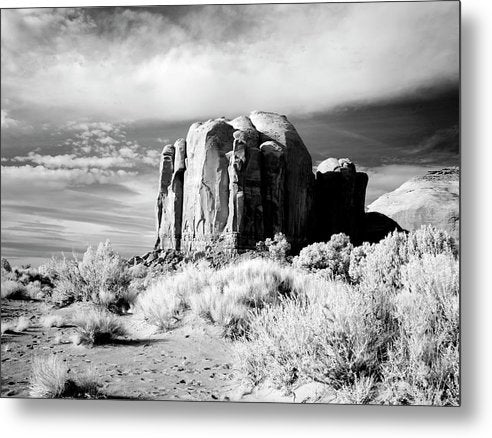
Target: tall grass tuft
[
  {"x": 98, "y": 326},
  {"x": 50, "y": 378}
]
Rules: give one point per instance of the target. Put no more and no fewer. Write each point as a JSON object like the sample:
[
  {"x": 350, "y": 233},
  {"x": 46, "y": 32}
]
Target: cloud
[
  {"x": 108, "y": 143},
  {"x": 72, "y": 162},
  {"x": 191, "y": 62},
  {"x": 7, "y": 121},
  {"x": 13, "y": 176}
]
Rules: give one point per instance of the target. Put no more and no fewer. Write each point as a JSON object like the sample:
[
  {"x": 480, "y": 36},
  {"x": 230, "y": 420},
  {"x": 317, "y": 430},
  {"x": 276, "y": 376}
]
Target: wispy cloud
[{"x": 191, "y": 62}]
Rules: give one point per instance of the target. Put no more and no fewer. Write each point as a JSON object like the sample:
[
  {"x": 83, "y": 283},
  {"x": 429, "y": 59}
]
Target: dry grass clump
[
  {"x": 48, "y": 321},
  {"x": 98, "y": 326},
  {"x": 224, "y": 297},
  {"x": 164, "y": 302},
  {"x": 15, "y": 326},
  {"x": 22, "y": 325},
  {"x": 50, "y": 378},
  {"x": 13, "y": 290}
]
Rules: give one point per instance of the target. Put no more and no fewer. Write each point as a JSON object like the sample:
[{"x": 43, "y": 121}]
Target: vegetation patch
[
  {"x": 51, "y": 378},
  {"x": 98, "y": 326}
]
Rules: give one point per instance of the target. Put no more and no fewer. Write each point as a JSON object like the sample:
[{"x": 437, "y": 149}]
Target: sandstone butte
[{"x": 233, "y": 183}]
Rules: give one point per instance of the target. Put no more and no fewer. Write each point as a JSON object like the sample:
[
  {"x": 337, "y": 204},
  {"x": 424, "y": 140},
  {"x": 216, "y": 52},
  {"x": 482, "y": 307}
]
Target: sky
[{"x": 90, "y": 95}]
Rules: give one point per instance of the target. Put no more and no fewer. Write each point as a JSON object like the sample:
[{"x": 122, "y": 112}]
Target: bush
[
  {"x": 224, "y": 297},
  {"x": 277, "y": 248},
  {"x": 164, "y": 301},
  {"x": 67, "y": 280},
  {"x": 423, "y": 366},
  {"x": 52, "y": 321},
  {"x": 105, "y": 276},
  {"x": 50, "y": 379},
  {"x": 391, "y": 337},
  {"x": 14, "y": 290},
  {"x": 16, "y": 326},
  {"x": 5, "y": 265},
  {"x": 331, "y": 259},
  {"x": 101, "y": 277},
  {"x": 98, "y": 326},
  {"x": 334, "y": 337},
  {"x": 379, "y": 265}
]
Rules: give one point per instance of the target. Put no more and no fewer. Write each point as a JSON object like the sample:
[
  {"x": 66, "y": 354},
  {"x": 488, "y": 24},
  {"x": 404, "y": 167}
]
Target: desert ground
[{"x": 373, "y": 324}]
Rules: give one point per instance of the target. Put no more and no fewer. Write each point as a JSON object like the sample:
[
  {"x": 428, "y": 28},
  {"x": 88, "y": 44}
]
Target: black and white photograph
[{"x": 232, "y": 203}]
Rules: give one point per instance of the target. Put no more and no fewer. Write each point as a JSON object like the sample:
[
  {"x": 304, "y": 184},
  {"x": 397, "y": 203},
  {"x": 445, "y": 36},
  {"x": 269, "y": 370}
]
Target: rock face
[
  {"x": 377, "y": 226},
  {"x": 430, "y": 199},
  {"x": 234, "y": 183},
  {"x": 340, "y": 193},
  {"x": 170, "y": 197}
]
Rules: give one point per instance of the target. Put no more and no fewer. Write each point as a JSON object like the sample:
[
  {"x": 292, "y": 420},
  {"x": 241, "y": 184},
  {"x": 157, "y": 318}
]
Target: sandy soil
[{"x": 189, "y": 363}]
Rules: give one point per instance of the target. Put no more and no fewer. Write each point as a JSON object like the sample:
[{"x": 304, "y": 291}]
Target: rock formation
[
  {"x": 430, "y": 199},
  {"x": 233, "y": 183},
  {"x": 377, "y": 226},
  {"x": 170, "y": 196},
  {"x": 340, "y": 193},
  {"x": 242, "y": 181}
]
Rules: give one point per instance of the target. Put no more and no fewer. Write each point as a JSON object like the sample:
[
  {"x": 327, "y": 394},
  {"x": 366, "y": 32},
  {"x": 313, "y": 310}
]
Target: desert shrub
[
  {"x": 13, "y": 290},
  {"x": 331, "y": 259},
  {"x": 380, "y": 264},
  {"x": 223, "y": 297},
  {"x": 239, "y": 290},
  {"x": 334, "y": 337},
  {"x": 7, "y": 327},
  {"x": 277, "y": 248},
  {"x": 18, "y": 325},
  {"x": 5, "y": 265},
  {"x": 423, "y": 366},
  {"x": 164, "y": 301},
  {"x": 98, "y": 326},
  {"x": 101, "y": 277},
  {"x": 430, "y": 240},
  {"x": 48, "y": 321},
  {"x": 50, "y": 378},
  {"x": 23, "y": 324},
  {"x": 35, "y": 291},
  {"x": 105, "y": 275},
  {"x": 138, "y": 271},
  {"x": 68, "y": 282},
  {"x": 370, "y": 342}
]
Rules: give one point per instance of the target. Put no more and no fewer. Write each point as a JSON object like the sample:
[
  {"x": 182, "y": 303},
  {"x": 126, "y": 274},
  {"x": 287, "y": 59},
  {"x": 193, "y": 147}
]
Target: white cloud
[
  {"x": 224, "y": 60},
  {"x": 106, "y": 142},
  {"x": 7, "y": 121},
  {"x": 41, "y": 176},
  {"x": 70, "y": 161}
]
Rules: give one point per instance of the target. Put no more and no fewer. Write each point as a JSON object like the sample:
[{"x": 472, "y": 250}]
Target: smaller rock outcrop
[
  {"x": 339, "y": 195},
  {"x": 168, "y": 258},
  {"x": 377, "y": 226},
  {"x": 430, "y": 199}
]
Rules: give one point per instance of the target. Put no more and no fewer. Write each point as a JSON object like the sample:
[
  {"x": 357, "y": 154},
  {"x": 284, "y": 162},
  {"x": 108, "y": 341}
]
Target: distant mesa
[
  {"x": 235, "y": 182},
  {"x": 429, "y": 199}
]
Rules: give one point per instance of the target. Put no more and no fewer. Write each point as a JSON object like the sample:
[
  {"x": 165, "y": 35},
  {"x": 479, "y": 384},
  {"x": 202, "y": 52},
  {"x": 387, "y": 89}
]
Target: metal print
[{"x": 250, "y": 203}]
